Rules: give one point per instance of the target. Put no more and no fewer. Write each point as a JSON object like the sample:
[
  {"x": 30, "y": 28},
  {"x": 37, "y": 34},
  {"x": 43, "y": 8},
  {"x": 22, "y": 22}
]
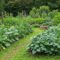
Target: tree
[
  {"x": 15, "y": 6},
  {"x": 2, "y": 2}
]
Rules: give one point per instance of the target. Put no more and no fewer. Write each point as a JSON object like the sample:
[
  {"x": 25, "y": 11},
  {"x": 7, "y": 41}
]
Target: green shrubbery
[
  {"x": 9, "y": 21},
  {"x": 47, "y": 42},
  {"x": 39, "y": 12},
  {"x": 41, "y": 15},
  {"x": 35, "y": 20},
  {"x": 56, "y": 19},
  {"x": 13, "y": 30},
  {"x": 45, "y": 16}
]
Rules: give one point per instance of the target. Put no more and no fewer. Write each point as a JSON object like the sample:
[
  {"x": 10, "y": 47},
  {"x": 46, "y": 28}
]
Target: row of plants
[
  {"x": 47, "y": 42},
  {"x": 12, "y": 31}
]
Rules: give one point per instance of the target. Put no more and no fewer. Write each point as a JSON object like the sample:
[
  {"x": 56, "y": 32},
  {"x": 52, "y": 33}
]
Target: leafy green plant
[
  {"x": 34, "y": 13},
  {"x": 56, "y": 19},
  {"x": 9, "y": 21},
  {"x": 47, "y": 42},
  {"x": 40, "y": 12},
  {"x": 13, "y": 32}
]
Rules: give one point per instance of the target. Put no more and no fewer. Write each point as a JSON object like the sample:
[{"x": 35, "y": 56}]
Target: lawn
[{"x": 18, "y": 51}]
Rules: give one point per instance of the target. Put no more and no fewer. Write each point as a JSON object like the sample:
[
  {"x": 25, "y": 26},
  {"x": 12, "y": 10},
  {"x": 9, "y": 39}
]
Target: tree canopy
[{"x": 15, "y": 6}]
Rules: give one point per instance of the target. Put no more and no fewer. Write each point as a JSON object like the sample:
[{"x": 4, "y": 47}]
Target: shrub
[
  {"x": 34, "y": 13},
  {"x": 40, "y": 12},
  {"x": 50, "y": 17},
  {"x": 37, "y": 21},
  {"x": 47, "y": 42},
  {"x": 53, "y": 13},
  {"x": 9, "y": 21},
  {"x": 13, "y": 33},
  {"x": 56, "y": 19},
  {"x": 43, "y": 11}
]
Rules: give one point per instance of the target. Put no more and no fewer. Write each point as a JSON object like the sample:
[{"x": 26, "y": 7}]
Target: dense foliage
[
  {"x": 15, "y": 6},
  {"x": 40, "y": 12},
  {"x": 45, "y": 16},
  {"x": 47, "y": 42},
  {"x": 10, "y": 32},
  {"x": 56, "y": 19}
]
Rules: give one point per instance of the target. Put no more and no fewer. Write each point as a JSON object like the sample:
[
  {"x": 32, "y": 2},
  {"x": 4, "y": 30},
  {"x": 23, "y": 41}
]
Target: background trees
[
  {"x": 2, "y": 4},
  {"x": 15, "y": 6}
]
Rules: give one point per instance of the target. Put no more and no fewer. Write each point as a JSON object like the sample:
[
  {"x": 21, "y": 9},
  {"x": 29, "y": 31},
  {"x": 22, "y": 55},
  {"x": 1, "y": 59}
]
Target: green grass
[{"x": 18, "y": 51}]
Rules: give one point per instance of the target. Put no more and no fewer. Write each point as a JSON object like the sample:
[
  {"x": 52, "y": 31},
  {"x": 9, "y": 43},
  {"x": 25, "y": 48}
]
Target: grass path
[{"x": 20, "y": 46}]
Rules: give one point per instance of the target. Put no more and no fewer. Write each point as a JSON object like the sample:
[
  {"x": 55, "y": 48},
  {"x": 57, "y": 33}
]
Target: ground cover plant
[{"x": 46, "y": 43}]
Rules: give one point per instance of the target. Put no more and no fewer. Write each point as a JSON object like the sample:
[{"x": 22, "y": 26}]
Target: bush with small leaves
[{"x": 47, "y": 42}]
